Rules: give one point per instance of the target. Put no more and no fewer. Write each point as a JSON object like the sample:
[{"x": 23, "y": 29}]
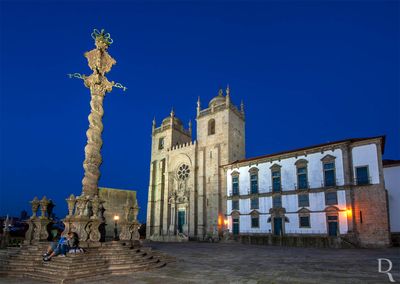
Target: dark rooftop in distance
[{"x": 388, "y": 163}]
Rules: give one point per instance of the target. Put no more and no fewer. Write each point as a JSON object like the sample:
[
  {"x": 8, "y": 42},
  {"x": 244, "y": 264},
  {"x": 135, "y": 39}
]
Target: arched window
[{"x": 211, "y": 127}]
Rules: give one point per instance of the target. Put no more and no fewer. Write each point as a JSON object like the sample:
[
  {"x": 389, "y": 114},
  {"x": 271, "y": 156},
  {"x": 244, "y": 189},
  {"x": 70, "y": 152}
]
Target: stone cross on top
[{"x": 100, "y": 62}]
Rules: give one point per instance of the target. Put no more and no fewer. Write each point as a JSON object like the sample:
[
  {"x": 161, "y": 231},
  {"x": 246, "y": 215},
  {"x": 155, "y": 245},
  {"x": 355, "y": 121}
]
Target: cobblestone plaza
[{"x": 237, "y": 263}]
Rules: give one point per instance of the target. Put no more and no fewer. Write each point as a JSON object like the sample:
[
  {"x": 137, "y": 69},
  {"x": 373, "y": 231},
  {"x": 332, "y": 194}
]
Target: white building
[
  {"x": 391, "y": 170},
  {"x": 325, "y": 190}
]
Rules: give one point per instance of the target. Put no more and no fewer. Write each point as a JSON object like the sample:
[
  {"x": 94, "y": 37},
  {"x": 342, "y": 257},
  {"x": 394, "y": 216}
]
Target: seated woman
[{"x": 61, "y": 247}]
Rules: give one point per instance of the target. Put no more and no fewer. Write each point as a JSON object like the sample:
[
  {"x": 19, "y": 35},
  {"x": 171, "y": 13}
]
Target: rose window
[{"x": 183, "y": 172}]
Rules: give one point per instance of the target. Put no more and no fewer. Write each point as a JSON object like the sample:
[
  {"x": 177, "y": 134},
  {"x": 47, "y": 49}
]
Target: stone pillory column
[{"x": 85, "y": 211}]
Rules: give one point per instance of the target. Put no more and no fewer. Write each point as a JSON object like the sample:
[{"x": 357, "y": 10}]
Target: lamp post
[{"x": 116, "y": 218}]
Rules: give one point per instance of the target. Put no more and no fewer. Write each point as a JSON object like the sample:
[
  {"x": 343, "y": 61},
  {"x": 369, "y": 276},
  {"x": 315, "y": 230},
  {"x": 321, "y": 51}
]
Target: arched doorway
[
  {"x": 278, "y": 221},
  {"x": 332, "y": 221},
  {"x": 235, "y": 223}
]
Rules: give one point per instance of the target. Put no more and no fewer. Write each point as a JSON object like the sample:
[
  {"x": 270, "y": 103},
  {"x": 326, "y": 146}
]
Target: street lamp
[{"x": 116, "y": 218}]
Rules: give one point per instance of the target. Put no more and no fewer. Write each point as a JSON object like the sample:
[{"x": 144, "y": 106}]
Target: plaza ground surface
[{"x": 237, "y": 263}]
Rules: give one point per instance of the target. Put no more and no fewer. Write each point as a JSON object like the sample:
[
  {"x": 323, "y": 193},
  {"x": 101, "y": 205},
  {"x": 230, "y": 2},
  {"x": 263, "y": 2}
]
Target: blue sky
[{"x": 308, "y": 72}]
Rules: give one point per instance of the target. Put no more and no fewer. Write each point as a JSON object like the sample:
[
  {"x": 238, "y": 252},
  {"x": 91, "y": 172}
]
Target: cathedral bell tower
[
  {"x": 169, "y": 134},
  {"x": 221, "y": 140}
]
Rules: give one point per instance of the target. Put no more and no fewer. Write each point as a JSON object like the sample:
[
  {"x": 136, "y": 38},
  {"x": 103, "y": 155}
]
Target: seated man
[{"x": 61, "y": 247}]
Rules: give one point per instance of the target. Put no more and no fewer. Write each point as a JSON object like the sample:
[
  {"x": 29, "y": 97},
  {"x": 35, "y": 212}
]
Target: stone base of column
[
  {"x": 37, "y": 229},
  {"x": 89, "y": 230}
]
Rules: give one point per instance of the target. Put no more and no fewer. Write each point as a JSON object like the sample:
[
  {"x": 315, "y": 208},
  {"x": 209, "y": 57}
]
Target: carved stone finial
[
  {"x": 35, "y": 206},
  {"x": 95, "y": 207},
  {"x": 71, "y": 204},
  {"x": 198, "y": 106},
  {"x": 190, "y": 127},
  {"x": 242, "y": 107},
  {"x": 43, "y": 206},
  {"x": 135, "y": 211},
  {"x": 172, "y": 113},
  {"x": 220, "y": 93},
  {"x": 7, "y": 224},
  {"x": 228, "y": 96}
]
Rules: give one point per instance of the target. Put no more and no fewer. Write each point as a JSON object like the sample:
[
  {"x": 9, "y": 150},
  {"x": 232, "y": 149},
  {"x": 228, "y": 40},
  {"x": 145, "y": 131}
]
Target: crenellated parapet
[{"x": 191, "y": 144}]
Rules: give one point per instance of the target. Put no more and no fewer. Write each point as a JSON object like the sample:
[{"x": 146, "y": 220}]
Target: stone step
[
  {"x": 70, "y": 271},
  {"x": 60, "y": 265},
  {"x": 94, "y": 262},
  {"x": 134, "y": 264},
  {"x": 112, "y": 263},
  {"x": 125, "y": 270},
  {"x": 123, "y": 256},
  {"x": 122, "y": 253}
]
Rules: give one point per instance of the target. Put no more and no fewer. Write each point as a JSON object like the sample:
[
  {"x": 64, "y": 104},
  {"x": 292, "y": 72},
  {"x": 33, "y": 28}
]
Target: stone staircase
[{"x": 110, "y": 259}]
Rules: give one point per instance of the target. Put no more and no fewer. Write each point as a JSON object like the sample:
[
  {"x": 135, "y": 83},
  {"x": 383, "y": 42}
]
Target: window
[
  {"x": 255, "y": 221},
  {"x": 277, "y": 202},
  {"x": 331, "y": 198},
  {"x": 304, "y": 221},
  {"x": 253, "y": 183},
  {"x": 362, "y": 175},
  {"x": 329, "y": 174},
  {"x": 302, "y": 182},
  {"x": 276, "y": 181},
  {"x": 235, "y": 204},
  {"x": 303, "y": 200},
  {"x": 183, "y": 172},
  {"x": 161, "y": 143},
  {"x": 254, "y": 203},
  {"x": 235, "y": 185},
  {"x": 211, "y": 127}
]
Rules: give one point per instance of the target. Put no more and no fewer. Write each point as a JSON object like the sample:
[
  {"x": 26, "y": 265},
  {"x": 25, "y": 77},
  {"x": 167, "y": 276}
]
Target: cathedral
[
  {"x": 206, "y": 189},
  {"x": 187, "y": 188}
]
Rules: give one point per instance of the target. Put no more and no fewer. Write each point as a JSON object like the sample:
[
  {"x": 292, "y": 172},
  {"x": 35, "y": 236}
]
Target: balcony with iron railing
[
  {"x": 363, "y": 181},
  {"x": 234, "y": 193},
  {"x": 252, "y": 191},
  {"x": 302, "y": 185},
  {"x": 275, "y": 188},
  {"x": 318, "y": 185}
]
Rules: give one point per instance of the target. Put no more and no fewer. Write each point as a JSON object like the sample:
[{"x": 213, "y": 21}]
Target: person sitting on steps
[{"x": 62, "y": 246}]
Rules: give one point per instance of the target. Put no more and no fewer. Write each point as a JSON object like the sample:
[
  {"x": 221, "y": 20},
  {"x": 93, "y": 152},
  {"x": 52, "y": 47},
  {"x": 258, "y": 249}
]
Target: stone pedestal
[
  {"x": 85, "y": 217},
  {"x": 129, "y": 231},
  {"x": 37, "y": 230},
  {"x": 88, "y": 229}
]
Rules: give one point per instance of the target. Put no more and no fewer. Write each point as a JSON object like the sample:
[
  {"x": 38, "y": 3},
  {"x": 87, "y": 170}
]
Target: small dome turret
[{"x": 218, "y": 100}]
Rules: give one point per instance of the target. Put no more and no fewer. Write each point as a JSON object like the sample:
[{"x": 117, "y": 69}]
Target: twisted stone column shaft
[{"x": 93, "y": 157}]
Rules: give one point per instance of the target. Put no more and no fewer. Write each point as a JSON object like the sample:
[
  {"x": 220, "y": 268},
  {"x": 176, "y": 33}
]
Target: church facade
[{"x": 187, "y": 187}]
